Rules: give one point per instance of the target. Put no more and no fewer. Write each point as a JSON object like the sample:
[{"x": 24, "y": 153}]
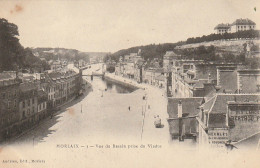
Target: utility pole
[
  {"x": 143, "y": 112},
  {"x": 81, "y": 108}
]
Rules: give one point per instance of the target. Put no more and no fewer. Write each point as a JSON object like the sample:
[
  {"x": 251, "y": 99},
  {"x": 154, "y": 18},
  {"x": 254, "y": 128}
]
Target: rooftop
[
  {"x": 222, "y": 26},
  {"x": 217, "y": 107},
  {"x": 27, "y": 86},
  {"x": 160, "y": 78},
  {"x": 218, "y": 104},
  {"x": 189, "y": 106},
  {"x": 243, "y": 22},
  {"x": 4, "y": 76}
]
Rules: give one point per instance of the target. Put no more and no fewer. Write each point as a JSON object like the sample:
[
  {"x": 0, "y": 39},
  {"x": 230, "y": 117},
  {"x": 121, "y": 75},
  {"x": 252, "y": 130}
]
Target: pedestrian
[
  {"x": 149, "y": 106},
  {"x": 129, "y": 108}
]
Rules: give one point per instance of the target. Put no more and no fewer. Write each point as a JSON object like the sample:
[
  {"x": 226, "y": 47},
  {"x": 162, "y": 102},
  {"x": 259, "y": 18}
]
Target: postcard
[{"x": 132, "y": 83}]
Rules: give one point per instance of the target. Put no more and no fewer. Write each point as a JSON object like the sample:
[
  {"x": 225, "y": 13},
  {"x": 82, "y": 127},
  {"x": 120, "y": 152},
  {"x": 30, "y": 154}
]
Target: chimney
[{"x": 179, "y": 109}]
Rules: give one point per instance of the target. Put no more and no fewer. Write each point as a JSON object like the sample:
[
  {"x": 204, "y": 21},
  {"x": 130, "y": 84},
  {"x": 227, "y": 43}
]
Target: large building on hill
[{"x": 237, "y": 25}]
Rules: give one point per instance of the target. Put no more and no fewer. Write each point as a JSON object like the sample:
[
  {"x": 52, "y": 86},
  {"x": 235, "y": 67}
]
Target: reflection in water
[
  {"x": 111, "y": 86},
  {"x": 118, "y": 88}
]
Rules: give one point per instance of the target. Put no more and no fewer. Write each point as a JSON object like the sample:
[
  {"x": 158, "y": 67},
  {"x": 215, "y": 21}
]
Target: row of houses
[
  {"x": 215, "y": 104},
  {"x": 133, "y": 66},
  {"x": 25, "y": 100}
]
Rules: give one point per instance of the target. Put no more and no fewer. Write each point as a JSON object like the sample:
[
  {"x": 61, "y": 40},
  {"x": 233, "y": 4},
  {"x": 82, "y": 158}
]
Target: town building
[
  {"x": 81, "y": 63},
  {"x": 242, "y": 25},
  {"x": 168, "y": 59},
  {"x": 139, "y": 70},
  {"x": 248, "y": 81},
  {"x": 67, "y": 85},
  {"x": 55, "y": 65},
  {"x": 197, "y": 79},
  {"x": 228, "y": 117},
  {"x": 9, "y": 103},
  {"x": 223, "y": 28},
  {"x": 42, "y": 104},
  {"x": 159, "y": 81},
  {"x": 28, "y": 104},
  {"x": 182, "y": 117}
]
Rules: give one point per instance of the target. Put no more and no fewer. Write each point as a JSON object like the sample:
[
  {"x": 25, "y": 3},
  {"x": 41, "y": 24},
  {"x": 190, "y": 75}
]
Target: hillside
[
  {"x": 63, "y": 53},
  {"x": 148, "y": 52},
  {"x": 228, "y": 45}
]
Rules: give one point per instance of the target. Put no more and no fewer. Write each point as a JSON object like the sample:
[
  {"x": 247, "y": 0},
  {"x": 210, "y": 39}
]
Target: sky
[{"x": 111, "y": 25}]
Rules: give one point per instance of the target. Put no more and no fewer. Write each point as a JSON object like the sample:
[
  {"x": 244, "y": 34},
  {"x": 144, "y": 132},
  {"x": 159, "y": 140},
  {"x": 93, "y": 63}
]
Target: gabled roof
[
  {"x": 170, "y": 54},
  {"x": 189, "y": 106},
  {"x": 41, "y": 93},
  {"x": 55, "y": 75},
  {"x": 243, "y": 22},
  {"x": 159, "y": 70},
  {"x": 222, "y": 26},
  {"x": 27, "y": 86},
  {"x": 218, "y": 104},
  {"x": 160, "y": 78},
  {"x": 249, "y": 143},
  {"x": 217, "y": 107},
  {"x": 140, "y": 62}
]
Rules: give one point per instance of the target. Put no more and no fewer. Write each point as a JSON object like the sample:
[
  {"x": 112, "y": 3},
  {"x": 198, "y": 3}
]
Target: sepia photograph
[{"x": 129, "y": 83}]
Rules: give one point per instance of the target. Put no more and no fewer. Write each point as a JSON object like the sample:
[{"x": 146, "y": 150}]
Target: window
[
  {"x": 3, "y": 95},
  {"x": 9, "y": 104},
  {"x": 244, "y": 26},
  {"x": 33, "y": 101},
  {"x": 23, "y": 104},
  {"x": 14, "y": 103},
  {"x": 237, "y": 26},
  {"x": 15, "y": 93},
  {"x": 29, "y": 101}
]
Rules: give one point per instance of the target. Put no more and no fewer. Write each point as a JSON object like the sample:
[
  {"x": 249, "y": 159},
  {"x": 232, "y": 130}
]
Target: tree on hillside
[
  {"x": 212, "y": 37},
  {"x": 11, "y": 50}
]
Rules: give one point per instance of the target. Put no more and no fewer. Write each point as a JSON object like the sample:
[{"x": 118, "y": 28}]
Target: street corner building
[{"x": 230, "y": 117}]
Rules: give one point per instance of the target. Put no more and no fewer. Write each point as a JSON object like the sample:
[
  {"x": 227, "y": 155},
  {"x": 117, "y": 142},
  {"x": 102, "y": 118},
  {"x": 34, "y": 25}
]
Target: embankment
[{"x": 123, "y": 82}]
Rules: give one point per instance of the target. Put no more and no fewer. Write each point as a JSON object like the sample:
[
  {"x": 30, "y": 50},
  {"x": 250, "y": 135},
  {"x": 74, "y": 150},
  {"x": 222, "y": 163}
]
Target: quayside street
[{"x": 96, "y": 118}]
